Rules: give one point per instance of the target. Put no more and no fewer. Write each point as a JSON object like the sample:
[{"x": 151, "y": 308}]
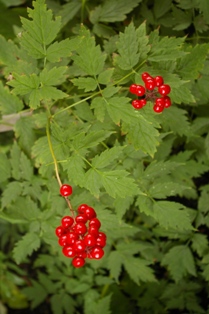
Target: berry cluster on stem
[{"x": 153, "y": 90}]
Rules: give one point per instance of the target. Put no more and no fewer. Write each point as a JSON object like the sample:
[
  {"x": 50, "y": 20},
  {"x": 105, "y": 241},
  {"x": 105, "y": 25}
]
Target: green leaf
[
  {"x": 107, "y": 157},
  {"x": 180, "y": 262},
  {"x": 89, "y": 56},
  {"x": 161, "y": 7},
  {"x": 24, "y": 247},
  {"x": 11, "y": 193},
  {"x": 115, "y": 264},
  {"x": 199, "y": 243},
  {"x": 92, "y": 182},
  {"x": 14, "y": 160},
  {"x": 105, "y": 76},
  {"x": 75, "y": 169},
  {"x": 86, "y": 83},
  {"x": 26, "y": 167},
  {"x": 40, "y": 31},
  {"x": 68, "y": 11},
  {"x": 7, "y": 55},
  {"x": 175, "y": 120},
  {"x": 36, "y": 293},
  {"x": 54, "y": 76},
  {"x": 171, "y": 215},
  {"x": 24, "y": 131},
  {"x": 204, "y": 7},
  {"x": 9, "y": 103},
  {"x": 103, "y": 305},
  {"x": 164, "y": 189},
  {"x": 5, "y": 168},
  {"x": 113, "y": 11},
  {"x": 63, "y": 49},
  {"x": 138, "y": 270}
]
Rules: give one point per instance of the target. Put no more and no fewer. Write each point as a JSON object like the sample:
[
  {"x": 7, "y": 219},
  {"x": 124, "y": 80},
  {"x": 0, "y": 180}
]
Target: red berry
[
  {"x": 78, "y": 262},
  {"x": 80, "y": 228},
  {"x": 90, "y": 212},
  {"x": 66, "y": 190},
  {"x": 101, "y": 242},
  {"x": 71, "y": 238},
  {"x": 79, "y": 246},
  {"x": 82, "y": 254},
  {"x": 81, "y": 218},
  {"x": 68, "y": 251},
  {"x": 158, "y": 109},
  {"x": 145, "y": 75},
  {"x": 89, "y": 240},
  {"x": 82, "y": 208},
  {"x": 160, "y": 102},
  {"x": 59, "y": 231},
  {"x": 67, "y": 222},
  {"x": 158, "y": 80},
  {"x": 132, "y": 89},
  {"x": 95, "y": 222},
  {"x": 164, "y": 89},
  {"x": 102, "y": 235},
  {"x": 93, "y": 230},
  {"x": 167, "y": 101},
  {"x": 150, "y": 84},
  {"x": 97, "y": 252},
  {"x": 63, "y": 240},
  {"x": 139, "y": 103},
  {"x": 140, "y": 90}
]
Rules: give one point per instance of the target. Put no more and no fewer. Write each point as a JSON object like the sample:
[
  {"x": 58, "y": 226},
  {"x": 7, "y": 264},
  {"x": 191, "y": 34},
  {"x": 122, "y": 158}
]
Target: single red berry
[
  {"x": 66, "y": 190},
  {"x": 79, "y": 246},
  {"x": 89, "y": 240},
  {"x": 158, "y": 109},
  {"x": 100, "y": 242},
  {"x": 80, "y": 228},
  {"x": 145, "y": 76},
  {"x": 67, "y": 222},
  {"x": 71, "y": 238},
  {"x": 139, "y": 103},
  {"x": 160, "y": 102},
  {"x": 102, "y": 235},
  {"x": 150, "y": 84},
  {"x": 82, "y": 208},
  {"x": 63, "y": 240},
  {"x": 81, "y": 218},
  {"x": 78, "y": 262},
  {"x": 93, "y": 230},
  {"x": 68, "y": 251},
  {"x": 164, "y": 89},
  {"x": 132, "y": 89},
  {"x": 140, "y": 90},
  {"x": 59, "y": 231},
  {"x": 97, "y": 252},
  {"x": 90, "y": 212},
  {"x": 159, "y": 80},
  {"x": 167, "y": 101},
  {"x": 95, "y": 222}
]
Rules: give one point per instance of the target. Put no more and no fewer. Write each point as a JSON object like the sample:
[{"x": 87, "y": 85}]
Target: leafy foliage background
[{"x": 66, "y": 67}]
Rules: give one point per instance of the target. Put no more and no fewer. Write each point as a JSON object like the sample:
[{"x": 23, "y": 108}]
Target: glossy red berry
[
  {"x": 132, "y": 89},
  {"x": 101, "y": 242},
  {"x": 140, "y": 90},
  {"x": 164, "y": 89},
  {"x": 102, "y": 235},
  {"x": 93, "y": 230},
  {"x": 97, "y": 252},
  {"x": 160, "y": 102},
  {"x": 71, "y": 238},
  {"x": 79, "y": 246},
  {"x": 66, "y": 190},
  {"x": 68, "y": 251},
  {"x": 67, "y": 222},
  {"x": 89, "y": 240},
  {"x": 81, "y": 218},
  {"x": 139, "y": 103},
  {"x": 63, "y": 240},
  {"x": 90, "y": 212},
  {"x": 80, "y": 228},
  {"x": 158, "y": 109},
  {"x": 150, "y": 84},
  {"x": 59, "y": 231},
  {"x": 159, "y": 80},
  {"x": 145, "y": 76},
  {"x": 95, "y": 222},
  {"x": 78, "y": 262},
  {"x": 167, "y": 101},
  {"x": 82, "y": 254},
  {"x": 82, "y": 208}
]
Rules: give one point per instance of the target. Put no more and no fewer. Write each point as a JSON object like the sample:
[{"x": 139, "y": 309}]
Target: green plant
[{"x": 66, "y": 108}]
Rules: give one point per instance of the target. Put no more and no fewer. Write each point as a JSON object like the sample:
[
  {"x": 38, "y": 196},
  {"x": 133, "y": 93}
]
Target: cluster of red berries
[
  {"x": 78, "y": 240},
  {"x": 148, "y": 92}
]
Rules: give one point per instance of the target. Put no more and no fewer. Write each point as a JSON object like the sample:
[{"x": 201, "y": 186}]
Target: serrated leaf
[
  {"x": 26, "y": 167},
  {"x": 180, "y": 262},
  {"x": 89, "y": 56},
  {"x": 105, "y": 76},
  {"x": 171, "y": 215},
  {"x": 103, "y": 305},
  {"x": 14, "y": 160},
  {"x": 40, "y": 31},
  {"x": 11, "y": 192},
  {"x": 107, "y": 157},
  {"x": 175, "y": 119},
  {"x": 68, "y": 11},
  {"x": 138, "y": 270},
  {"x": 62, "y": 49},
  {"x": 24, "y": 247},
  {"x": 7, "y": 55},
  {"x": 9, "y": 103},
  {"x": 5, "y": 167},
  {"x": 122, "y": 205},
  {"x": 24, "y": 131},
  {"x": 98, "y": 104},
  {"x": 164, "y": 189},
  {"x": 86, "y": 83},
  {"x": 36, "y": 293},
  {"x": 115, "y": 264},
  {"x": 199, "y": 243},
  {"x": 157, "y": 168},
  {"x": 75, "y": 169},
  {"x": 162, "y": 7},
  {"x": 54, "y": 76},
  {"x": 92, "y": 182},
  {"x": 113, "y": 11},
  {"x": 83, "y": 141}
]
